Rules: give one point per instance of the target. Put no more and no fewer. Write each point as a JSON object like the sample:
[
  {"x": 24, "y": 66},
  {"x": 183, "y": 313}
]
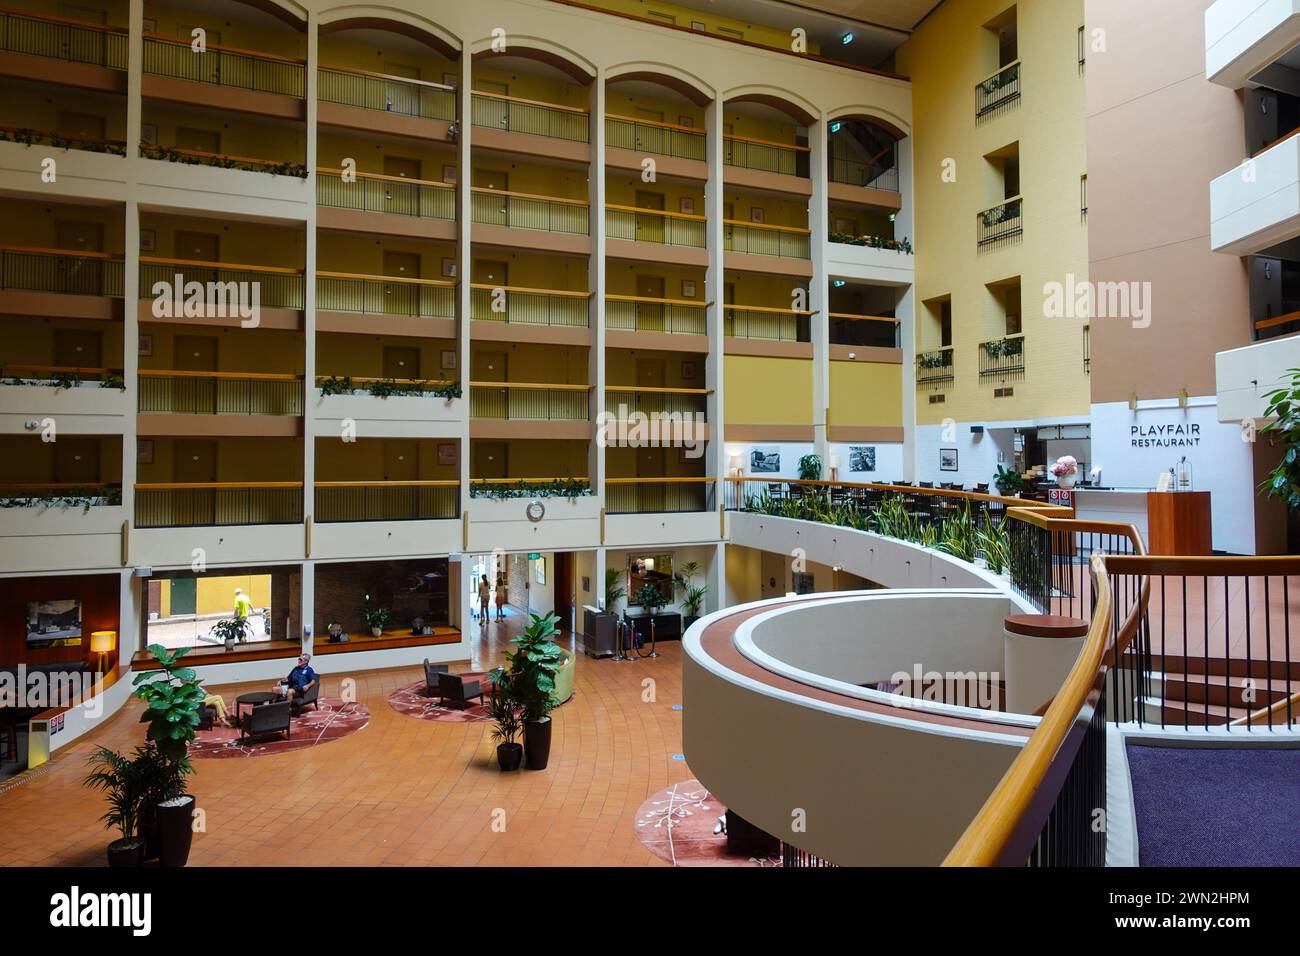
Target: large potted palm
[
  {"x": 530, "y": 675},
  {"x": 173, "y": 699},
  {"x": 120, "y": 780},
  {"x": 507, "y": 720}
]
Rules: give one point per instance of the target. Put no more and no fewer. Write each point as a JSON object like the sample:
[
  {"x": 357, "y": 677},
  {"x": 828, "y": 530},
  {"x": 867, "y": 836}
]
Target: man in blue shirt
[{"x": 300, "y": 680}]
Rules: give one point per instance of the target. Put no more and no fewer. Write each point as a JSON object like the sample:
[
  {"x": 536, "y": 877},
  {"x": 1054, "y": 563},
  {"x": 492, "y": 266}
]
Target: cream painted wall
[
  {"x": 238, "y": 459},
  {"x": 339, "y": 353}
]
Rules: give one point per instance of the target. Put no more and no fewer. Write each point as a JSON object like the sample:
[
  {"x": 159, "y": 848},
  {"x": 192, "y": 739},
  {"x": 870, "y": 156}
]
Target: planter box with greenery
[{"x": 527, "y": 681}]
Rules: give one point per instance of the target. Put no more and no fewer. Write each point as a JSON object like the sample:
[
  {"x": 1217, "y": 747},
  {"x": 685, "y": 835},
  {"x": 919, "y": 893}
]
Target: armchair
[
  {"x": 266, "y": 719},
  {"x": 460, "y": 689},
  {"x": 431, "y": 675}
]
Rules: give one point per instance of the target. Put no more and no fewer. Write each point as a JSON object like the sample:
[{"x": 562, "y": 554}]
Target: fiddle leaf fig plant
[
  {"x": 1284, "y": 429},
  {"x": 173, "y": 697}
]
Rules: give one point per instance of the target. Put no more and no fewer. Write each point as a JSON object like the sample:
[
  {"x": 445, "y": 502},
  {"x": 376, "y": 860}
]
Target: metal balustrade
[
  {"x": 625, "y": 496},
  {"x": 68, "y": 40},
  {"x": 386, "y": 500},
  {"x": 387, "y": 94},
  {"x": 651, "y": 225},
  {"x": 634, "y": 313},
  {"x": 56, "y": 270},
  {"x": 999, "y": 223},
  {"x": 219, "y": 393},
  {"x": 879, "y": 331},
  {"x": 765, "y": 156},
  {"x": 648, "y": 136},
  {"x": 227, "y": 285},
  {"x": 1003, "y": 358},
  {"x": 392, "y": 195},
  {"x": 880, "y": 174},
  {"x": 212, "y": 504},
  {"x": 385, "y": 295},
  {"x": 498, "y": 111},
  {"x": 519, "y": 401},
  {"x": 671, "y": 401},
  {"x": 755, "y": 239},
  {"x": 222, "y": 66},
  {"x": 1000, "y": 89},
  {"x": 935, "y": 367},
  {"x": 761, "y": 322},
  {"x": 520, "y": 306},
  {"x": 497, "y": 207}
]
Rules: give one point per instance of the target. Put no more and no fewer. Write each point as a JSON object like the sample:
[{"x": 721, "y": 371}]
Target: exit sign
[{"x": 534, "y": 556}]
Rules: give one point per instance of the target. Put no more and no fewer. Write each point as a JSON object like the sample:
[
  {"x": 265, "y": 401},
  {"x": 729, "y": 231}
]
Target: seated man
[{"x": 300, "y": 679}]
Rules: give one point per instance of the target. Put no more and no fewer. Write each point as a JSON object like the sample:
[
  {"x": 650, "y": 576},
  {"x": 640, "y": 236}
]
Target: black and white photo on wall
[
  {"x": 765, "y": 460},
  {"x": 862, "y": 458},
  {"x": 947, "y": 459}
]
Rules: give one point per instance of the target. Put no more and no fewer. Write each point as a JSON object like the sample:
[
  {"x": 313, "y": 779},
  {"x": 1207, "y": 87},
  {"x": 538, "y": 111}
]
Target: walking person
[
  {"x": 501, "y": 597},
  {"x": 484, "y": 596},
  {"x": 243, "y": 608}
]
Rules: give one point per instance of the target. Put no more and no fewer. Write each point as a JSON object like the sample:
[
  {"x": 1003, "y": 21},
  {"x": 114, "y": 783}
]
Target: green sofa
[{"x": 564, "y": 680}]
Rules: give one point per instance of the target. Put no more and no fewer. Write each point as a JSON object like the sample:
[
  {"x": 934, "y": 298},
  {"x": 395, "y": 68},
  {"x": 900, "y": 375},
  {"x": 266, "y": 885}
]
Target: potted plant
[
  {"x": 173, "y": 699},
  {"x": 651, "y": 598},
  {"x": 1009, "y": 482},
  {"x": 507, "y": 719},
  {"x": 377, "y": 619},
  {"x": 231, "y": 631},
  {"x": 614, "y": 591},
  {"x": 531, "y": 670},
  {"x": 119, "y": 778},
  {"x": 691, "y": 602},
  {"x": 810, "y": 468},
  {"x": 1065, "y": 471}
]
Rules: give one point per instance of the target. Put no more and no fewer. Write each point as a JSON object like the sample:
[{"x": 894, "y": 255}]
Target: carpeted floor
[
  {"x": 1203, "y": 806},
  {"x": 329, "y": 721},
  {"x": 677, "y": 823},
  {"x": 411, "y": 701}
]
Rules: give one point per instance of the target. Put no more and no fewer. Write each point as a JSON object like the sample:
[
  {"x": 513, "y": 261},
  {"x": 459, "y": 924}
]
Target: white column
[
  {"x": 596, "y": 276},
  {"x": 905, "y": 312},
  {"x": 819, "y": 290},
  {"x": 464, "y": 269},
  {"x": 714, "y": 292},
  {"x": 308, "y": 582},
  {"x": 131, "y": 269}
]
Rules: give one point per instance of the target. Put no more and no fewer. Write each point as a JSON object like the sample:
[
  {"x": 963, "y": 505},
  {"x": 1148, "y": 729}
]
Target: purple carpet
[{"x": 1205, "y": 806}]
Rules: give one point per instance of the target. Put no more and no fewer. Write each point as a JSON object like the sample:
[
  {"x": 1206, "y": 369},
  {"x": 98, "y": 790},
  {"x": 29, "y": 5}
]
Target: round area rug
[
  {"x": 412, "y": 702},
  {"x": 677, "y": 825},
  {"x": 330, "y": 721}
]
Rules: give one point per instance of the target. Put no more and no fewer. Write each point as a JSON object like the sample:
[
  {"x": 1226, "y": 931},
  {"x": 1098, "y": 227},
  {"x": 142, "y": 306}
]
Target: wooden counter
[{"x": 1178, "y": 522}]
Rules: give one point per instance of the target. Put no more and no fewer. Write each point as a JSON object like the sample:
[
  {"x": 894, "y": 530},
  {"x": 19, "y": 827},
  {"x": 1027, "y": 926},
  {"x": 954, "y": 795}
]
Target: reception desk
[{"x": 1178, "y": 522}]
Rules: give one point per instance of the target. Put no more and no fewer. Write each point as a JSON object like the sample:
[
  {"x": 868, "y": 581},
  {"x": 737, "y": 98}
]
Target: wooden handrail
[
  {"x": 63, "y": 20},
  {"x": 58, "y": 486},
  {"x": 693, "y": 217},
  {"x": 46, "y": 251},
  {"x": 1206, "y": 566},
  {"x": 864, "y": 318},
  {"x": 767, "y": 142},
  {"x": 937, "y": 348},
  {"x": 533, "y": 386},
  {"x": 50, "y": 134},
  {"x": 442, "y": 283},
  {"x": 659, "y": 123},
  {"x": 1277, "y": 320},
  {"x": 187, "y": 373},
  {"x": 388, "y": 484},
  {"x": 384, "y": 76},
  {"x": 1003, "y": 338},
  {"x": 531, "y": 481},
  {"x": 1041, "y": 507},
  {"x": 212, "y": 485},
  {"x": 231, "y": 266},
  {"x": 257, "y": 160},
  {"x": 673, "y": 480},
  {"x": 562, "y": 293},
  {"x": 998, "y": 72},
  {"x": 692, "y": 303},
  {"x": 395, "y": 381},
  {"x": 767, "y": 308},
  {"x": 1006, "y": 202},
  {"x": 297, "y": 61},
  {"x": 1264, "y": 716},
  {"x": 658, "y": 390},
  {"x": 437, "y": 184},
  {"x": 60, "y": 368},
  {"x": 763, "y": 225},
  {"x": 1277, "y": 142},
  {"x": 506, "y": 192},
  {"x": 520, "y": 99}
]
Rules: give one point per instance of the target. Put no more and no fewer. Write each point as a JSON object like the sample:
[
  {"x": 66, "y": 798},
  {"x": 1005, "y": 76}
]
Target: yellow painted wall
[
  {"x": 27, "y": 223},
  {"x": 686, "y": 17},
  {"x": 116, "y": 10},
  {"x": 277, "y": 351},
  {"x": 621, "y": 190},
  {"x": 263, "y": 34},
  {"x": 768, "y": 391},
  {"x": 533, "y": 271},
  {"x": 946, "y": 57},
  {"x": 539, "y": 84},
  {"x": 527, "y": 458},
  {"x": 675, "y": 108},
  {"x": 28, "y": 460},
  {"x": 29, "y": 340},
  {"x": 437, "y": 162},
  {"x": 538, "y": 364},
  {"x": 216, "y": 595},
  {"x": 239, "y": 134},
  {"x": 555, "y": 181},
  {"x": 620, "y": 367},
  {"x": 776, "y": 212},
  {"x": 339, "y": 353},
  {"x": 30, "y": 109},
  {"x": 363, "y": 459},
  {"x": 238, "y": 459},
  {"x": 866, "y": 393},
  {"x": 620, "y": 278},
  {"x": 239, "y": 242},
  {"x": 342, "y": 50},
  {"x": 364, "y": 254}
]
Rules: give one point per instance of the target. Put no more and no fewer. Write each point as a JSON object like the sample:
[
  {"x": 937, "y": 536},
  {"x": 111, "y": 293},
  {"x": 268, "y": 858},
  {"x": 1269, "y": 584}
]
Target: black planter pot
[
  {"x": 537, "y": 743},
  {"x": 510, "y": 756},
  {"x": 127, "y": 852},
  {"x": 175, "y": 832},
  {"x": 688, "y": 620}
]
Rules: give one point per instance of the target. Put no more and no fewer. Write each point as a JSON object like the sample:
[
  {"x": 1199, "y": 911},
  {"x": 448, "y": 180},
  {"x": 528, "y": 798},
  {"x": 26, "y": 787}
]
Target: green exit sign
[{"x": 534, "y": 556}]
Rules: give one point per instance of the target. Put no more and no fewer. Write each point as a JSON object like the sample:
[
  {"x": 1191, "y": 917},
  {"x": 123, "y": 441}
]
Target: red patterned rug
[
  {"x": 330, "y": 721},
  {"x": 677, "y": 825},
  {"x": 412, "y": 702}
]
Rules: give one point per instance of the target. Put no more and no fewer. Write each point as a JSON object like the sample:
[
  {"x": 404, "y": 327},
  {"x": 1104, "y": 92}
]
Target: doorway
[
  {"x": 76, "y": 461},
  {"x": 489, "y": 459},
  {"x": 650, "y": 314},
  {"x": 402, "y": 298},
  {"x": 401, "y": 461},
  {"x": 563, "y": 589},
  {"x": 401, "y": 362},
  {"x": 649, "y": 228},
  {"x": 77, "y": 348}
]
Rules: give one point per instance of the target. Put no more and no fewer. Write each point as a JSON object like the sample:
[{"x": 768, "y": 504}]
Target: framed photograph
[
  {"x": 450, "y": 79},
  {"x": 688, "y": 288},
  {"x": 449, "y": 174},
  {"x": 689, "y": 370},
  {"x": 947, "y": 459},
  {"x": 688, "y": 205},
  {"x": 539, "y": 570},
  {"x": 446, "y": 453},
  {"x": 149, "y": 132},
  {"x": 54, "y": 623},
  {"x": 150, "y": 25},
  {"x": 449, "y": 268},
  {"x": 697, "y": 26},
  {"x": 148, "y": 240},
  {"x": 756, "y": 213},
  {"x": 862, "y": 458},
  {"x": 146, "y": 345},
  {"x": 765, "y": 460},
  {"x": 144, "y": 451},
  {"x": 586, "y": 583},
  {"x": 448, "y": 359},
  {"x": 686, "y": 121}
]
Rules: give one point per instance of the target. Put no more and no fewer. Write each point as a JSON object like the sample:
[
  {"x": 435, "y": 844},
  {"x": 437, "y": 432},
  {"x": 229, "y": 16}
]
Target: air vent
[
  {"x": 1007, "y": 392},
  {"x": 938, "y": 399}
]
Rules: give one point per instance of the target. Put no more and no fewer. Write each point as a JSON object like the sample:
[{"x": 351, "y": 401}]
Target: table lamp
[
  {"x": 835, "y": 466},
  {"x": 102, "y": 643},
  {"x": 737, "y": 463}
]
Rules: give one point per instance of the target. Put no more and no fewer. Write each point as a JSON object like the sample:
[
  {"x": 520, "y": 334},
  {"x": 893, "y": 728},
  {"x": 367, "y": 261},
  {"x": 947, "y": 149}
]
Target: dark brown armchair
[
  {"x": 460, "y": 689},
  {"x": 432, "y": 672},
  {"x": 266, "y": 719}
]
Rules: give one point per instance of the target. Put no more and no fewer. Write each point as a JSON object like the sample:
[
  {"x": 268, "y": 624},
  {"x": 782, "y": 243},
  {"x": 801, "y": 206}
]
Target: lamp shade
[
  {"x": 737, "y": 461},
  {"x": 835, "y": 461},
  {"x": 101, "y": 642}
]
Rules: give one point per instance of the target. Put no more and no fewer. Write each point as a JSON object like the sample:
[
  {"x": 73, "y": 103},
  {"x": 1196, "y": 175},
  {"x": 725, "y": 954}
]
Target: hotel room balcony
[
  {"x": 663, "y": 323},
  {"x": 221, "y": 77},
  {"x": 1256, "y": 205},
  {"x": 49, "y": 49},
  {"x": 767, "y": 330},
  {"x": 386, "y": 205},
  {"x": 768, "y": 165},
  {"x": 522, "y": 409},
  {"x": 770, "y": 249},
  {"x": 36, "y": 280},
  {"x": 1243, "y": 37},
  {"x": 281, "y": 291},
  {"x": 656, "y": 235},
  {"x": 522, "y": 314},
  {"x": 183, "y": 402},
  {"x": 533, "y": 128},
  {"x": 386, "y": 305},
  {"x": 679, "y": 151},
  {"x": 526, "y": 220},
  {"x": 355, "y": 99}
]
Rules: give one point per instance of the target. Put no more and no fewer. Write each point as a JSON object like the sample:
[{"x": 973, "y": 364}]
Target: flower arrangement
[{"x": 1065, "y": 467}]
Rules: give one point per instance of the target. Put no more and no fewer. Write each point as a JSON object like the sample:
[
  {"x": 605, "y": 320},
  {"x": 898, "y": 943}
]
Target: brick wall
[{"x": 408, "y": 589}]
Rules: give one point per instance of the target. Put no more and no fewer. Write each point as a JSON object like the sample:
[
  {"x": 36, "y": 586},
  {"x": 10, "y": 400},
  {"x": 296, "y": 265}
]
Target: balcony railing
[
  {"x": 764, "y": 322},
  {"x": 385, "y": 295},
  {"x": 639, "y": 313},
  {"x": 522, "y": 306},
  {"x": 624, "y": 496},
  {"x": 177, "y": 392},
  {"x": 343, "y": 384},
  {"x": 621, "y": 399},
  {"x": 59, "y": 376},
  {"x": 89, "y": 144},
  {"x": 880, "y": 173},
  {"x": 765, "y": 156},
  {"x": 1000, "y": 89},
  {"x": 1003, "y": 358},
  {"x": 934, "y": 368},
  {"x": 227, "y": 284},
  {"x": 1272, "y": 326},
  {"x": 198, "y": 157},
  {"x": 498, "y": 111},
  {"x": 225, "y": 66},
  {"x": 386, "y": 500},
  {"x": 651, "y": 136},
  {"x": 518, "y": 400},
  {"x": 759, "y": 239},
  {"x": 388, "y": 94},
  {"x": 500, "y": 207},
  {"x": 81, "y": 495},
  {"x": 371, "y": 192},
  {"x": 1087, "y": 349},
  {"x": 35, "y": 269},
  {"x": 218, "y": 503},
  {"x": 655, "y": 225},
  {"x": 999, "y": 223},
  {"x": 848, "y": 328},
  {"x": 62, "y": 39}
]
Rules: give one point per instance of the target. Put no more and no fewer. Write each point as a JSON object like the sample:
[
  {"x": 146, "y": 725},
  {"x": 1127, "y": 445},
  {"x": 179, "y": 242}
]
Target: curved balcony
[
  {"x": 386, "y": 195},
  {"x": 225, "y": 66},
  {"x": 642, "y": 136},
  {"x": 513, "y": 114},
  {"x": 63, "y": 50},
  {"x": 382, "y": 93}
]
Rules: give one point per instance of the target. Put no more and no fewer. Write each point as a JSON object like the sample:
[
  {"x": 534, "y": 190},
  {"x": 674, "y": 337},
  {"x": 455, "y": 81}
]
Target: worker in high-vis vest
[{"x": 243, "y": 608}]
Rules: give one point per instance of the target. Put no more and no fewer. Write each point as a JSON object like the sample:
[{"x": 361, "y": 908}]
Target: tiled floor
[{"x": 401, "y": 792}]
